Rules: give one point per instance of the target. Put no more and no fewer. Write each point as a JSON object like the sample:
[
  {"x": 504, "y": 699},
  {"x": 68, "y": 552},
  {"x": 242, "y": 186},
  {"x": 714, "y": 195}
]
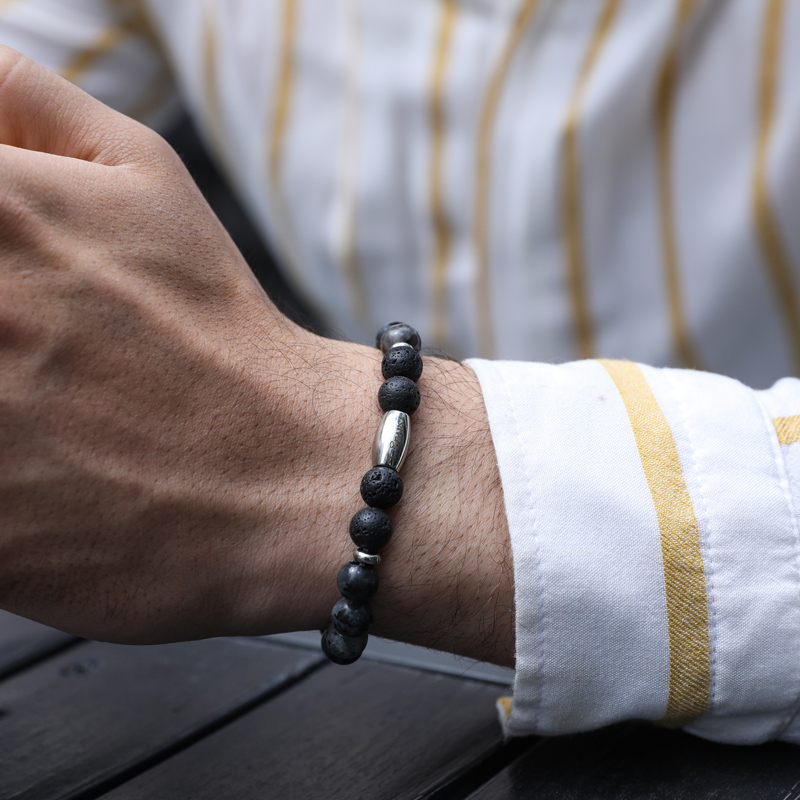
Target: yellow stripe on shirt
[
  {"x": 284, "y": 90},
  {"x": 153, "y": 99},
  {"x": 573, "y": 222},
  {"x": 276, "y": 137},
  {"x": 141, "y": 24},
  {"x": 773, "y": 247},
  {"x": 442, "y": 230},
  {"x": 85, "y": 58},
  {"x": 788, "y": 429},
  {"x": 666, "y": 89},
  {"x": 486, "y": 345},
  {"x": 684, "y": 574},
  {"x": 348, "y": 186}
]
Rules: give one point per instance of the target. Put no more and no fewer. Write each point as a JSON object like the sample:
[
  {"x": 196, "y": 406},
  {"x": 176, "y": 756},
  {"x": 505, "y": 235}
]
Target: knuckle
[
  {"x": 10, "y": 60},
  {"x": 164, "y": 150},
  {"x": 13, "y": 65},
  {"x": 153, "y": 150}
]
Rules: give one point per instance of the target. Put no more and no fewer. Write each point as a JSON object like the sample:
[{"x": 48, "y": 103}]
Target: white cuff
[{"x": 654, "y": 545}]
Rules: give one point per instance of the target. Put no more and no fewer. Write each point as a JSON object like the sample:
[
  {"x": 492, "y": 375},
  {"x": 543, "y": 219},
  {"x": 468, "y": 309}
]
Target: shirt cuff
[{"x": 654, "y": 546}]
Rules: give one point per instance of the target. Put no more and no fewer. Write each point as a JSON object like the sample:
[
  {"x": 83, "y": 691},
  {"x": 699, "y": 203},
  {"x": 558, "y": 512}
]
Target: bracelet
[{"x": 345, "y": 638}]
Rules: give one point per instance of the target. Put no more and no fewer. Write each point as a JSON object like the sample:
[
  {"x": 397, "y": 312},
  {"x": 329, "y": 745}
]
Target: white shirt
[{"x": 544, "y": 180}]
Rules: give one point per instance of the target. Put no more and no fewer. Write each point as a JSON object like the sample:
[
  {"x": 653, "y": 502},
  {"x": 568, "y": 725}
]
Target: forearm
[{"x": 178, "y": 460}]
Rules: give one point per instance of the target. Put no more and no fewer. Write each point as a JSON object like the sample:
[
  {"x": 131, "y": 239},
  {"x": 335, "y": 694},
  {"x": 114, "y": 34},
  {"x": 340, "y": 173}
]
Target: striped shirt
[{"x": 543, "y": 180}]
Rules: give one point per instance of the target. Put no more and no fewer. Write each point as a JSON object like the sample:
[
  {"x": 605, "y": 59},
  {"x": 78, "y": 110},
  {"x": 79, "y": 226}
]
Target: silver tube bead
[
  {"x": 391, "y": 440},
  {"x": 368, "y": 559}
]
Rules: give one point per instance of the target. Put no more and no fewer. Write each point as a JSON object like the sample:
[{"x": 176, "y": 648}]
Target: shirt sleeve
[
  {"x": 107, "y": 47},
  {"x": 653, "y": 523}
]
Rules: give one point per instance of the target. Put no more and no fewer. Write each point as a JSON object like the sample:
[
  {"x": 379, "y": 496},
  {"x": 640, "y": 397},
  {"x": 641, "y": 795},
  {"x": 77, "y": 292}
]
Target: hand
[{"x": 177, "y": 460}]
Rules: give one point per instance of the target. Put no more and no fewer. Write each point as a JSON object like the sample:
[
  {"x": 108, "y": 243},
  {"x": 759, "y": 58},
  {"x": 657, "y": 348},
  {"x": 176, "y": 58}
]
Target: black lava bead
[
  {"x": 342, "y": 649},
  {"x": 396, "y": 332},
  {"x": 351, "y": 618},
  {"x": 357, "y": 581},
  {"x": 399, "y": 394},
  {"x": 370, "y": 529},
  {"x": 381, "y": 487},
  {"x": 403, "y": 361}
]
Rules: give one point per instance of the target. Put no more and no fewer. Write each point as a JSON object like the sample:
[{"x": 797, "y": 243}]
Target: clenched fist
[{"x": 177, "y": 460}]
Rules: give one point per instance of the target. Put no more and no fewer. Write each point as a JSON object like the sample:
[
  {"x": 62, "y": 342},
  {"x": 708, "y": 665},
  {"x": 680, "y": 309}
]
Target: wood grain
[
  {"x": 366, "y": 731},
  {"x": 23, "y": 642},
  {"x": 639, "y": 762},
  {"x": 77, "y": 720}
]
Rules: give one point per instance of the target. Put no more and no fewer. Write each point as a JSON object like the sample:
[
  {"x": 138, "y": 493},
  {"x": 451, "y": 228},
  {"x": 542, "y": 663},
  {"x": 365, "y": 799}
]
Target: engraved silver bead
[
  {"x": 391, "y": 440},
  {"x": 367, "y": 559}
]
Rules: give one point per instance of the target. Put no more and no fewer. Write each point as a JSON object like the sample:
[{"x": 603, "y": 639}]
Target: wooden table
[{"x": 250, "y": 718}]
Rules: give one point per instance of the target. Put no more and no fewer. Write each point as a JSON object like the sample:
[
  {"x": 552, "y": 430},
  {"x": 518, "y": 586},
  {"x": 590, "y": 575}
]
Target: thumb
[{"x": 39, "y": 110}]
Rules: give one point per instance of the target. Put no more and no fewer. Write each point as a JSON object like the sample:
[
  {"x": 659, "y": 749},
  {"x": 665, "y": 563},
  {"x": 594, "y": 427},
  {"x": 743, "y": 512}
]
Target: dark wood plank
[
  {"x": 77, "y": 720},
  {"x": 367, "y": 731},
  {"x": 22, "y": 642},
  {"x": 639, "y": 762}
]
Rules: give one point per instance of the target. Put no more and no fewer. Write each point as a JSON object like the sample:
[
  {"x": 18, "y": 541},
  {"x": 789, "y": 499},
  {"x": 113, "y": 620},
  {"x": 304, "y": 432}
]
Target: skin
[{"x": 178, "y": 460}]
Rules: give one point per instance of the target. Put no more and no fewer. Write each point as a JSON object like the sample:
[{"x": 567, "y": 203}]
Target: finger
[{"x": 39, "y": 110}]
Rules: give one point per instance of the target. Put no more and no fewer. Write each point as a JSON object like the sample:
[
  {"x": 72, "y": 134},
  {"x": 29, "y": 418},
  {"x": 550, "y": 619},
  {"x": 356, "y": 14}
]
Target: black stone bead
[
  {"x": 351, "y": 618},
  {"x": 357, "y": 581},
  {"x": 370, "y": 529},
  {"x": 402, "y": 361},
  {"x": 381, "y": 487},
  {"x": 342, "y": 649},
  {"x": 399, "y": 394},
  {"x": 396, "y": 332}
]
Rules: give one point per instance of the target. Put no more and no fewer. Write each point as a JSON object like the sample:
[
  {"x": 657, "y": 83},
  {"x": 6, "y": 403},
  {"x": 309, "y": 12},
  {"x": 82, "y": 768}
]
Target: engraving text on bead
[{"x": 391, "y": 440}]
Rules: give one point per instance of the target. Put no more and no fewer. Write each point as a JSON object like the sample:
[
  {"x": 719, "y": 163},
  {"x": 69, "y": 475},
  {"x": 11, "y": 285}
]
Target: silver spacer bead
[
  {"x": 368, "y": 559},
  {"x": 399, "y": 344},
  {"x": 391, "y": 440}
]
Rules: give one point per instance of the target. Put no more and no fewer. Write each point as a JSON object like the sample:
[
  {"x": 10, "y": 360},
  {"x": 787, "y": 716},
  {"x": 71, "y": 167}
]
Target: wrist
[
  {"x": 315, "y": 457},
  {"x": 447, "y": 577}
]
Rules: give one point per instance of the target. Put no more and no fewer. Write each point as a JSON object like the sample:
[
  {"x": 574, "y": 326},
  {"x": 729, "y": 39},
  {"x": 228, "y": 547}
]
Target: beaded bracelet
[{"x": 346, "y": 636}]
